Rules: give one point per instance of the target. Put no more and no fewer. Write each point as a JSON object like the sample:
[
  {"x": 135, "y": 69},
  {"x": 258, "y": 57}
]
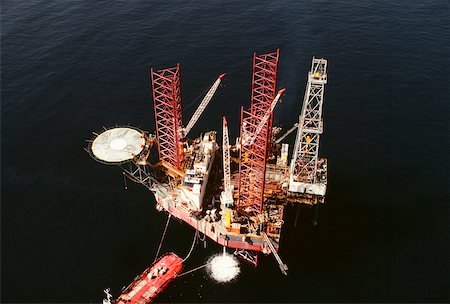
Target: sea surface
[{"x": 69, "y": 67}]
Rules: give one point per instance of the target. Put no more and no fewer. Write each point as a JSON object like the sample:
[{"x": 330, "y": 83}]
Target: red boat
[{"x": 152, "y": 281}]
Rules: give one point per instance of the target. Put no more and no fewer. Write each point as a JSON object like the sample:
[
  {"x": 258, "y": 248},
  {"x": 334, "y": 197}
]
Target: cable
[
  {"x": 199, "y": 237},
  {"x": 192, "y": 246},
  {"x": 192, "y": 270},
  {"x": 162, "y": 238}
]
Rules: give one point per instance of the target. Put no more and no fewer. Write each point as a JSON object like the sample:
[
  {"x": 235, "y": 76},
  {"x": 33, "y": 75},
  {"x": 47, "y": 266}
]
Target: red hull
[
  {"x": 152, "y": 281},
  {"x": 223, "y": 238}
]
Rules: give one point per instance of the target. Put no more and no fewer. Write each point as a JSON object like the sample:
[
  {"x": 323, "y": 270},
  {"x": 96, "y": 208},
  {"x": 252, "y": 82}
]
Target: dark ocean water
[{"x": 68, "y": 227}]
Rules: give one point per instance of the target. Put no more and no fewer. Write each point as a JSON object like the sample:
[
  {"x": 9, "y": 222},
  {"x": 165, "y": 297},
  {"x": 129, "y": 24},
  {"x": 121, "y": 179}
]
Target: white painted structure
[
  {"x": 118, "y": 145},
  {"x": 304, "y": 164}
]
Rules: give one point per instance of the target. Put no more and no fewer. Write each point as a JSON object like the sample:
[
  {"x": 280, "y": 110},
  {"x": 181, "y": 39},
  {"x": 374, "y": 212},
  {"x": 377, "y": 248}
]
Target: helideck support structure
[
  {"x": 254, "y": 141},
  {"x": 304, "y": 164},
  {"x": 168, "y": 115},
  {"x": 185, "y": 180}
]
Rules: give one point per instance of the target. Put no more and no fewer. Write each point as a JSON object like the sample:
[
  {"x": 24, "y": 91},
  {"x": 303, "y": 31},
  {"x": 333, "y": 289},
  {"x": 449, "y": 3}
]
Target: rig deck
[{"x": 237, "y": 202}]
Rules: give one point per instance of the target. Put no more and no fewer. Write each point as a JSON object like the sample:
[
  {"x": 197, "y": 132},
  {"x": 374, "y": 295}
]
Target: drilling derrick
[
  {"x": 308, "y": 171},
  {"x": 185, "y": 179},
  {"x": 169, "y": 129},
  {"x": 253, "y": 154}
]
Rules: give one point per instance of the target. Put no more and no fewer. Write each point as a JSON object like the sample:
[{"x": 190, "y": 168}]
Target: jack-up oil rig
[{"x": 234, "y": 194}]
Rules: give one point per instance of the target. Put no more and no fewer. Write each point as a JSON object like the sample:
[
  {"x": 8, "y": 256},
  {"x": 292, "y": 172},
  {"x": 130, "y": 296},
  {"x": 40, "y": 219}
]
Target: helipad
[{"x": 118, "y": 145}]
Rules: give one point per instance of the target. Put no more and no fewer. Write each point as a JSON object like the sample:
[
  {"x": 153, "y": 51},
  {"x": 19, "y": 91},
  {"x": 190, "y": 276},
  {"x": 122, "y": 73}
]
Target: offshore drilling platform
[{"x": 234, "y": 194}]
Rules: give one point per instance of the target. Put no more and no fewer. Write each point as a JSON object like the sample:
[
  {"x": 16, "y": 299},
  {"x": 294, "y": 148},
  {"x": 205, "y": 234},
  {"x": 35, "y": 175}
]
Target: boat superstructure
[{"x": 152, "y": 281}]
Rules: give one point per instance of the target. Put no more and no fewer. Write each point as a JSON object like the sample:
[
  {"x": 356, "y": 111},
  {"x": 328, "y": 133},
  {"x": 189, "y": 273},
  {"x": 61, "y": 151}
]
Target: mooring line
[
  {"x": 192, "y": 246},
  {"x": 162, "y": 238},
  {"x": 192, "y": 270}
]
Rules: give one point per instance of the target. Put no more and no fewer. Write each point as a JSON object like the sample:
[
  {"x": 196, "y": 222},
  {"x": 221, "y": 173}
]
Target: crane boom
[
  {"x": 268, "y": 113},
  {"x": 203, "y": 105},
  {"x": 303, "y": 171},
  {"x": 262, "y": 123},
  {"x": 294, "y": 127},
  {"x": 226, "y": 160}
]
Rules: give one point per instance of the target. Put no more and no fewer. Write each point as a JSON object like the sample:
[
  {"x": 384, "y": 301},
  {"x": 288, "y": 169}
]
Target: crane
[
  {"x": 227, "y": 195},
  {"x": 294, "y": 127},
  {"x": 304, "y": 165},
  {"x": 203, "y": 105},
  {"x": 247, "y": 140}
]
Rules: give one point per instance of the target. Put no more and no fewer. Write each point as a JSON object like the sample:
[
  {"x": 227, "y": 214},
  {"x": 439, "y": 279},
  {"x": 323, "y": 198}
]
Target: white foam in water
[{"x": 223, "y": 267}]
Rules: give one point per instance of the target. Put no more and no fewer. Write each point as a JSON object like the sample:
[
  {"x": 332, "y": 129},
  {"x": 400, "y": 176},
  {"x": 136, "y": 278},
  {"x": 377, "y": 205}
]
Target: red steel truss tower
[
  {"x": 169, "y": 126},
  {"x": 264, "y": 82},
  {"x": 253, "y": 157}
]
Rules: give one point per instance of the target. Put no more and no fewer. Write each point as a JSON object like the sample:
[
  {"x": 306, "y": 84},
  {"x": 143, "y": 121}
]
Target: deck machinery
[{"x": 233, "y": 194}]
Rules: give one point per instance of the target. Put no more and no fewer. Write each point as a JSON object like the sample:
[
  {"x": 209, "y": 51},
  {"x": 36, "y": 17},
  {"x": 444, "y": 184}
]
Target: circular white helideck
[{"x": 118, "y": 145}]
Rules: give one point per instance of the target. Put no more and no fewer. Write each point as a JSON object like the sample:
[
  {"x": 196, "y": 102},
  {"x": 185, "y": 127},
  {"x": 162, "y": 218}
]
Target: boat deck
[
  {"x": 215, "y": 230},
  {"x": 152, "y": 281}
]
